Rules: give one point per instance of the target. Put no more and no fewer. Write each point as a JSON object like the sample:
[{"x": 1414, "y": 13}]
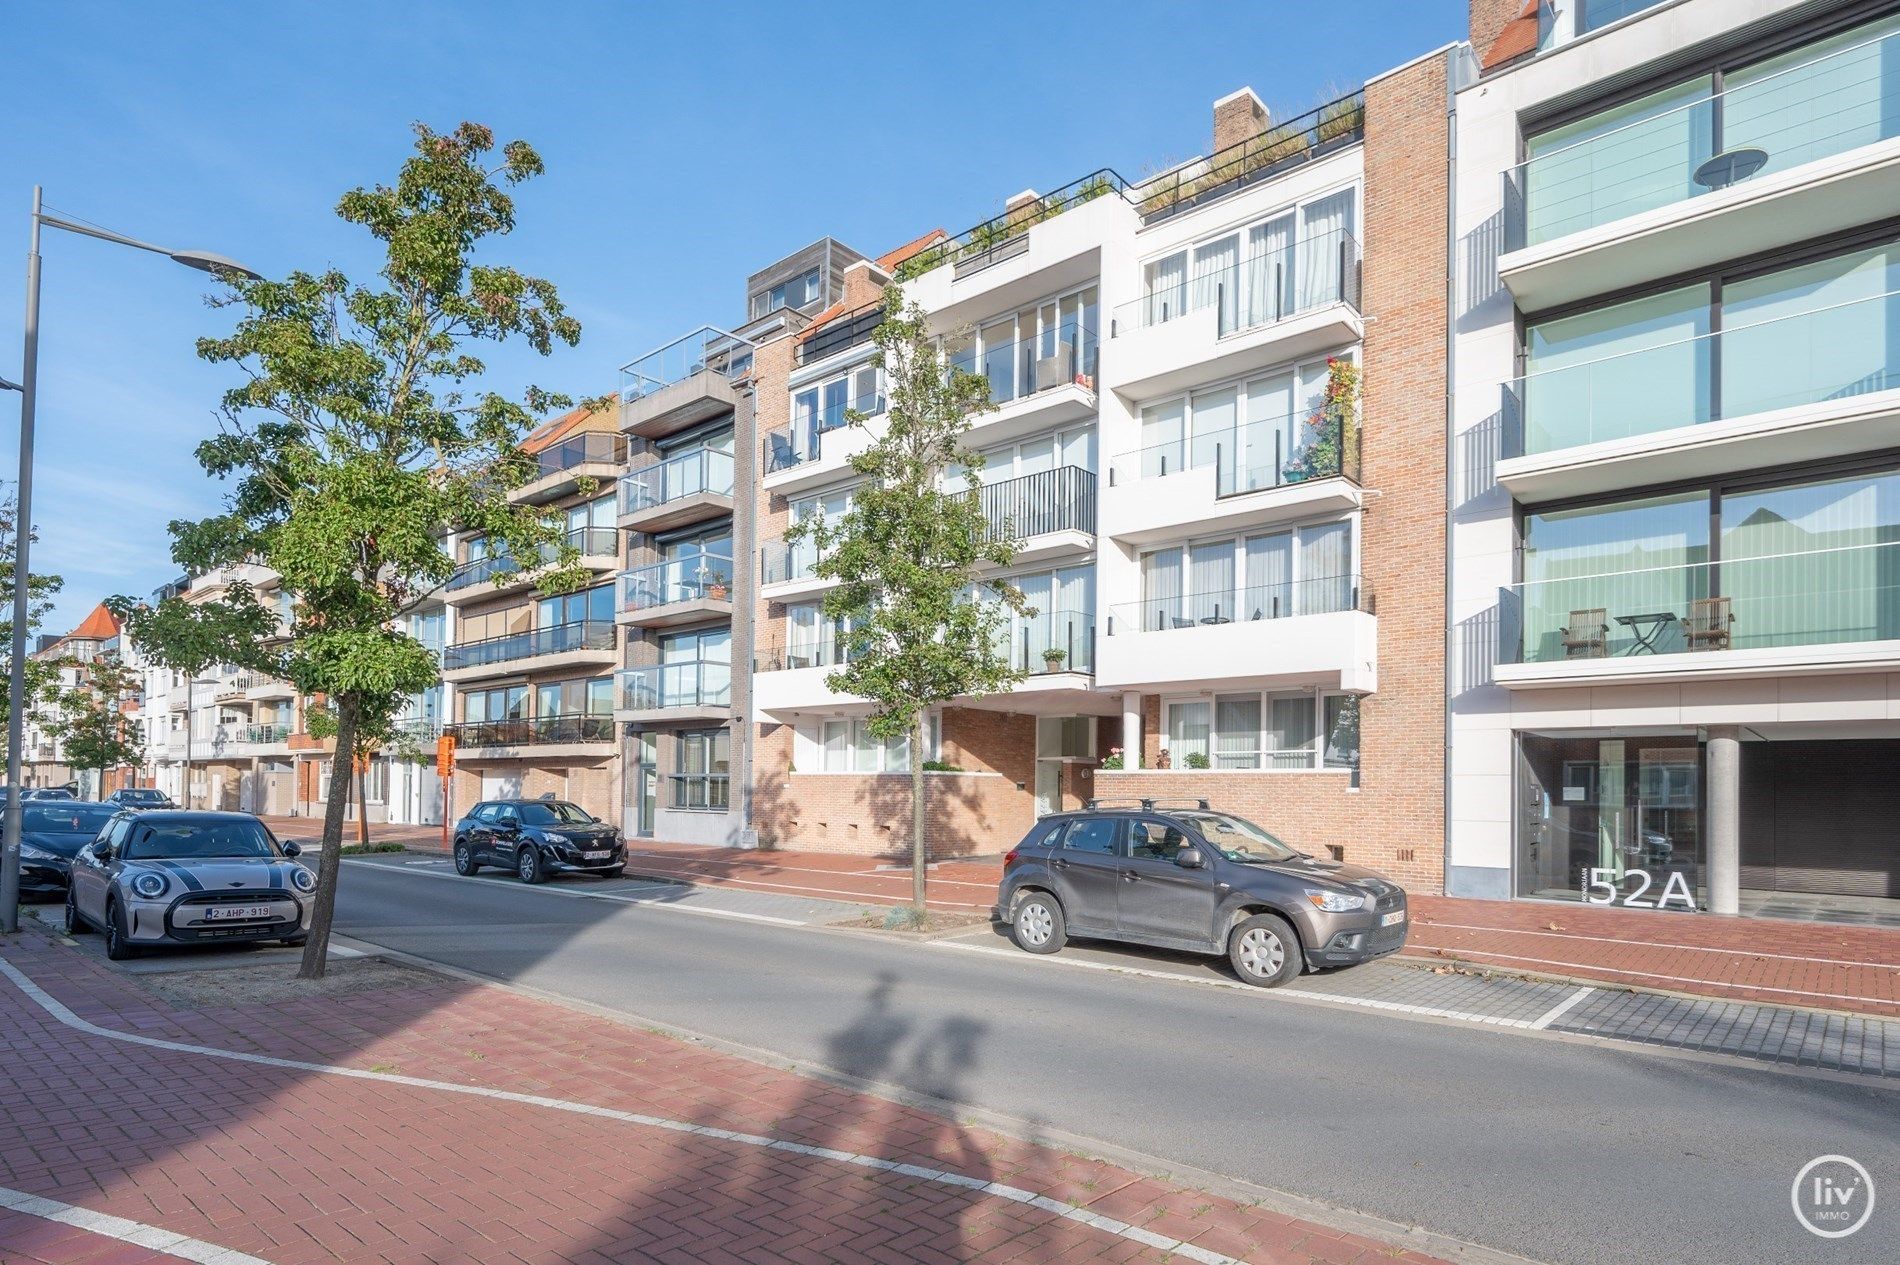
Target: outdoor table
[{"x": 1646, "y": 627}]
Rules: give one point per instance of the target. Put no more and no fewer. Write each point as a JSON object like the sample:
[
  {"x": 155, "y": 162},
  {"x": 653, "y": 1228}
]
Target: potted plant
[
  {"x": 1114, "y": 760},
  {"x": 1196, "y": 760},
  {"x": 1052, "y": 659},
  {"x": 716, "y": 588}
]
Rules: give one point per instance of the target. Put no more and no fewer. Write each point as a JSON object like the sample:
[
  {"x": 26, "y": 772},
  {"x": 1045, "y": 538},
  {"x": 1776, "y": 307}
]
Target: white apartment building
[{"x": 1675, "y": 488}]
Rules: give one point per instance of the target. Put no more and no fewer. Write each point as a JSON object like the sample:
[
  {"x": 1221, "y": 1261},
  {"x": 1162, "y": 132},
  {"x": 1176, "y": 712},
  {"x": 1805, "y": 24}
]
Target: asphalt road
[{"x": 1558, "y": 1151}]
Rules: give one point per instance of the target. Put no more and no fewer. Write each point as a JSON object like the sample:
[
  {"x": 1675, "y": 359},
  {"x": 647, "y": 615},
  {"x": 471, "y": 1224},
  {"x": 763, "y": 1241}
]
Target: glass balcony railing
[
  {"x": 802, "y": 439},
  {"x": 1264, "y": 287},
  {"x": 1270, "y": 453},
  {"x": 700, "y": 683},
  {"x": 702, "y": 577},
  {"x": 261, "y": 733},
  {"x": 1827, "y": 353},
  {"x": 707, "y": 349},
  {"x": 592, "y": 542},
  {"x": 823, "y": 650},
  {"x": 528, "y": 731},
  {"x": 530, "y": 643},
  {"x": 1323, "y": 595},
  {"x": 1062, "y": 499},
  {"x": 689, "y": 474},
  {"x": 1052, "y": 641},
  {"x": 781, "y": 560},
  {"x": 1816, "y": 597},
  {"x": 1762, "y": 122},
  {"x": 1065, "y": 356},
  {"x": 593, "y": 448}
]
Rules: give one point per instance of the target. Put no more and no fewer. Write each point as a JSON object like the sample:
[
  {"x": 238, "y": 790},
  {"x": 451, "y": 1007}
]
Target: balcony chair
[
  {"x": 783, "y": 456},
  {"x": 1587, "y": 636},
  {"x": 1708, "y": 623}
]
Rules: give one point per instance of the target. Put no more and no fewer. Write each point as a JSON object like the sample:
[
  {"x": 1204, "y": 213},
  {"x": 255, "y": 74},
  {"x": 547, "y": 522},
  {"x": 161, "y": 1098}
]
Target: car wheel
[
  {"x": 1264, "y": 951},
  {"x": 75, "y": 925},
  {"x": 465, "y": 863},
  {"x": 118, "y": 948},
  {"x": 528, "y": 864},
  {"x": 1038, "y": 925}
]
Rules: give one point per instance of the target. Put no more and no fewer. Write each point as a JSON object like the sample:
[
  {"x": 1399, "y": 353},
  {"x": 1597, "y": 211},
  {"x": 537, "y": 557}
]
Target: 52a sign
[{"x": 1600, "y": 887}]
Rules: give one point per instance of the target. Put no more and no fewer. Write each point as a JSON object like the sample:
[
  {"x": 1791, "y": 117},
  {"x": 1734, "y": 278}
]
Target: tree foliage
[
  {"x": 86, "y": 718},
  {"x": 356, "y": 439},
  {"x": 41, "y": 675},
  {"x": 921, "y": 615}
]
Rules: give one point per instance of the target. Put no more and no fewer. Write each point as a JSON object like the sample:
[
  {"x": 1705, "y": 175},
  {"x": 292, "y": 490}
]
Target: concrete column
[
  {"x": 1131, "y": 730},
  {"x": 1723, "y": 831}
]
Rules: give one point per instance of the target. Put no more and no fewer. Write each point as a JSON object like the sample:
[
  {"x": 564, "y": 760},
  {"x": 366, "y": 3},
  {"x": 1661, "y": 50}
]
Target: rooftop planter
[
  {"x": 976, "y": 243},
  {"x": 1290, "y": 144}
]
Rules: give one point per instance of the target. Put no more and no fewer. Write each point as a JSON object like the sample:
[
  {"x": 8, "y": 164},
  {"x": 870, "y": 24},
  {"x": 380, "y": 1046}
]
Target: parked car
[
  {"x": 177, "y": 878},
  {"x": 48, "y": 792},
  {"x": 140, "y": 797},
  {"x": 1193, "y": 879},
  {"x": 537, "y": 838},
  {"x": 51, "y": 833}
]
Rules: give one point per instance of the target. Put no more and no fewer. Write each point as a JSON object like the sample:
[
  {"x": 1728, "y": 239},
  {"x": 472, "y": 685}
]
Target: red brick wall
[{"x": 1488, "y": 20}]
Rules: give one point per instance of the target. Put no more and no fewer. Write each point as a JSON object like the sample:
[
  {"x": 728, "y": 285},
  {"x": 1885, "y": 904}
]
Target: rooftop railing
[
  {"x": 1267, "y": 286},
  {"x": 530, "y": 643},
  {"x": 1324, "y": 595},
  {"x": 700, "y": 683},
  {"x": 1830, "y": 596},
  {"x": 688, "y": 474},
  {"x": 1281, "y": 147},
  {"x": 1002, "y": 236},
  {"x": 1251, "y": 456},
  {"x": 707, "y": 349},
  {"x": 841, "y": 332},
  {"x": 1835, "y": 102}
]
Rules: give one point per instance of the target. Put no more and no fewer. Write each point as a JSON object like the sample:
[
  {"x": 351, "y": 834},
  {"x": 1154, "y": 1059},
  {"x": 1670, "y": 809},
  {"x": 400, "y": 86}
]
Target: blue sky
[{"x": 687, "y": 146}]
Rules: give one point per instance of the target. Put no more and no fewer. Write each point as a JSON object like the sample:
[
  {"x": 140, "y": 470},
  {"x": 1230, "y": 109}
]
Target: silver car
[{"x": 179, "y": 878}]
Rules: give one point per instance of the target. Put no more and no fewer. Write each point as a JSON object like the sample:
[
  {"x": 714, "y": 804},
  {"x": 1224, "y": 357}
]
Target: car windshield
[
  {"x": 555, "y": 812},
  {"x": 212, "y": 838},
  {"x": 64, "y": 819},
  {"x": 1238, "y": 839},
  {"x": 140, "y": 796}
]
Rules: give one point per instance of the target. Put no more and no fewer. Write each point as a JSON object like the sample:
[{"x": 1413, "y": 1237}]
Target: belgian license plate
[
  {"x": 1392, "y": 919},
  {"x": 596, "y": 856},
  {"x": 221, "y": 912}
]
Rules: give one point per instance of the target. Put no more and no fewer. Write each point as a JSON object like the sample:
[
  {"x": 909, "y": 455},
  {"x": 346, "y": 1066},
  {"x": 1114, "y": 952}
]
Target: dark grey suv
[{"x": 1189, "y": 878}]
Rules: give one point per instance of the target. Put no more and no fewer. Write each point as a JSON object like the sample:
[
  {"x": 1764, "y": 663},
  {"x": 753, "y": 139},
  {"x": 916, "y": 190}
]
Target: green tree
[
  {"x": 93, "y": 732},
  {"x": 41, "y": 675},
  {"x": 923, "y": 622},
  {"x": 356, "y": 440}
]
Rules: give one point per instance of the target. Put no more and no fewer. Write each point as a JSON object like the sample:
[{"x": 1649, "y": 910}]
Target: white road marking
[
  {"x": 1013, "y": 1194},
  {"x": 134, "y": 1232},
  {"x": 1653, "y": 944},
  {"x": 618, "y": 895},
  {"x": 1672, "y": 979},
  {"x": 1265, "y": 994},
  {"x": 1561, "y": 1009}
]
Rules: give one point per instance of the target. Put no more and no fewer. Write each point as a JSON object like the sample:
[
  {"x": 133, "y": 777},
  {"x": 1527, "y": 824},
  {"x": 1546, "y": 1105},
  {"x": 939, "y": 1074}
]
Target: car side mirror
[
  {"x": 1190, "y": 859},
  {"x": 293, "y": 850},
  {"x": 102, "y": 851}
]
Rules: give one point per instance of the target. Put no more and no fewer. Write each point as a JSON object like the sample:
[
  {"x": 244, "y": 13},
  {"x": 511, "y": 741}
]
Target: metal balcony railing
[
  {"x": 699, "y": 683},
  {"x": 840, "y": 333},
  {"x": 1003, "y": 236},
  {"x": 533, "y": 643},
  {"x": 702, "y": 577},
  {"x": 1281, "y": 147},
  {"x": 688, "y": 474},
  {"x": 528, "y": 731},
  {"x": 1056, "y": 500},
  {"x": 593, "y": 542},
  {"x": 1324, "y": 595},
  {"x": 1266, "y": 453}
]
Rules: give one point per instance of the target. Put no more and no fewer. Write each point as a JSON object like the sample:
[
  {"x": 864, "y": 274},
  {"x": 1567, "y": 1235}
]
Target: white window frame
[
  {"x": 1302, "y": 385},
  {"x": 813, "y": 754},
  {"x": 1240, "y": 229},
  {"x": 1262, "y": 744},
  {"x": 1184, "y": 549},
  {"x": 980, "y": 346}
]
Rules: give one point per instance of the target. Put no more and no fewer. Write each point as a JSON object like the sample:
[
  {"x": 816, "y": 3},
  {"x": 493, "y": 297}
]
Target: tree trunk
[
  {"x": 362, "y": 801},
  {"x": 316, "y": 948},
  {"x": 917, "y": 857}
]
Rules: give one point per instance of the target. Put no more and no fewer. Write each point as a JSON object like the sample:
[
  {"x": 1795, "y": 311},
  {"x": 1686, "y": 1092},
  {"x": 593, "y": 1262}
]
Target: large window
[
  {"x": 1267, "y": 575},
  {"x": 703, "y": 777},
  {"x": 505, "y": 703},
  {"x": 1044, "y": 345},
  {"x": 1295, "y": 259},
  {"x": 1254, "y": 730},
  {"x": 1611, "y": 819},
  {"x": 1260, "y": 433},
  {"x": 594, "y": 697},
  {"x": 595, "y": 605},
  {"x": 848, "y": 746},
  {"x": 805, "y": 288},
  {"x": 823, "y": 405}
]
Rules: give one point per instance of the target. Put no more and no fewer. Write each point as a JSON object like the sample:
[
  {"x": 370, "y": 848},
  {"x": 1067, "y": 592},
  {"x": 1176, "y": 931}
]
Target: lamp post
[{"x": 23, "y": 517}]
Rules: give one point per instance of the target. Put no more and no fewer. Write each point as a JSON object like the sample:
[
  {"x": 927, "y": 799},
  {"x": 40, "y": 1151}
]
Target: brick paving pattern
[{"x": 295, "y": 1166}]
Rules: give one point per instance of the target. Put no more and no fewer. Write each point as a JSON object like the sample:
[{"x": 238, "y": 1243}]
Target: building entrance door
[{"x": 1048, "y": 786}]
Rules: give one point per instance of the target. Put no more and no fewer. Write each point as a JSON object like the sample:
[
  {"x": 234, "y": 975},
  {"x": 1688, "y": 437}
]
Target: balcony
[
  {"x": 1816, "y": 611},
  {"x": 1047, "y": 514},
  {"x": 788, "y": 570},
  {"x": 599, "y": 549},
  {"x": 1279, "y": 149},
  {"x": 688, "y": 381},
  {"x": 236, "y": 687},
  {"x": 1808, "y": 150},
  {"x": 690, "y": 590},
  {"x": 568, "y": 734},
  {"x": 1796, "y": 388},
  {"x": 583, "y": 642},
  {"x": 1035, "y": 383},
  {"x": 561, "y": 468},
  {"x": 267, "y": 688},
  {"x": 817, "y": 449},
  {"x": 1038, "y": 247},
  {"x": 841, "y": 333},
  {"x": 676, "y": 693},
  {"x": 1271, "y": 471},
  {"x": 693, "y": 487},
  {"x": 1319, "y": 633},
  {"x": 1268, "y": 308},
  {"x": 236, "y": 741}
]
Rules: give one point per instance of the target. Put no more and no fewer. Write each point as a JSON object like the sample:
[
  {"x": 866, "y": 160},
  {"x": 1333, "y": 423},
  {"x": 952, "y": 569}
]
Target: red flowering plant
[{"x": 1332, "y": 427}]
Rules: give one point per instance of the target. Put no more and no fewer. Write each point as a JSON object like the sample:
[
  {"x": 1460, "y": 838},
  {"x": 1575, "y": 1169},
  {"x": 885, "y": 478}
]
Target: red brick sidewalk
[{"x": 304, "y": 1166}]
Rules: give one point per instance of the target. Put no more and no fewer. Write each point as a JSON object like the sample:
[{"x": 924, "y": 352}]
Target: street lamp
[{"x": 204, "y": 261}]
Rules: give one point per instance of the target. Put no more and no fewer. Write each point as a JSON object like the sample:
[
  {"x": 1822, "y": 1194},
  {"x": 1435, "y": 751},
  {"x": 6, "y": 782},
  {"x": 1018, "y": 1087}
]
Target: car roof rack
[{"x": 1146, "y": 804}]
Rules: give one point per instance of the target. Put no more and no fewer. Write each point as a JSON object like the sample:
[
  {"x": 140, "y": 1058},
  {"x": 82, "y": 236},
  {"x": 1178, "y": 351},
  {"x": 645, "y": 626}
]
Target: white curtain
[
  {"x": 1269, "y": 270},
  {"x": 1216, "y": 441},
  {"x": 1160, "y": 588},
  {"x": 1271, "y": 427},
  {"x": 1269, "y": 592},
  {"x": 1166, "y": 285},
  {"x": 1163, "y": 427},
  {"x": 1237, "y": 731},
  {"x": 1326, "y": 225},
  {"x": 1325, "y": 569},
  {"x": 1211, "y": 582},
  {"x": 1217, "y": 279}
]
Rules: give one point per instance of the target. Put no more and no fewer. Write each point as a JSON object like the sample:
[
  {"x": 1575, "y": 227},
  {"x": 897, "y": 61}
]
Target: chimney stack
[{"x": 1238, "y": 116}]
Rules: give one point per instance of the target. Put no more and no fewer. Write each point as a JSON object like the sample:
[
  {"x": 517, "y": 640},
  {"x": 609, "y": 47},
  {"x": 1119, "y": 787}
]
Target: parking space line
[
  {"x": 1670, "y": 979},
  {"x": 137, "y": 1233},
  {"x": 1561, "y": 1009}
]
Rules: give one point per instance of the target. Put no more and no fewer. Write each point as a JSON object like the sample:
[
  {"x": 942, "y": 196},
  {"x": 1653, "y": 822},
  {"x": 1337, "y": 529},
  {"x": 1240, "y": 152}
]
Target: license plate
[
  {"x": 596, "y": 856},
  {"x": 221, "y": 912},
  {"x": 1392, "y": 919}
]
